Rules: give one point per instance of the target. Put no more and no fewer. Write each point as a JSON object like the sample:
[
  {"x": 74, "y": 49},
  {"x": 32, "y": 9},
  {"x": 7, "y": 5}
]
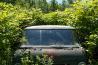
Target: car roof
[{"x": 50, "y": 27}]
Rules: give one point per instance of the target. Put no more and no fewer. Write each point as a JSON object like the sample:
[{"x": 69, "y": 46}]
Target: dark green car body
[{"x": 54, "y": 40}]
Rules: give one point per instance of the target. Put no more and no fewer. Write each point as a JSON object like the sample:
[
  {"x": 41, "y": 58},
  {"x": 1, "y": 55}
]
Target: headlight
[{"x": 82, "y": 63}]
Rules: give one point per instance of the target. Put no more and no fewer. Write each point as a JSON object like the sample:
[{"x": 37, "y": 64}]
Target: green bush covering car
[{"x": 57, "y": 41}]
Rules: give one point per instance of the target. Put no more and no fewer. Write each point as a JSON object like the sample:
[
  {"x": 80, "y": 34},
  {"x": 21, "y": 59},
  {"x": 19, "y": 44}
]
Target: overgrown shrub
[
  {"x": 54, "y": 18},
  {"x": 29, "y": 59},
  {"x": 12, "y": 21},
  {"x": 84, "y": 16}
]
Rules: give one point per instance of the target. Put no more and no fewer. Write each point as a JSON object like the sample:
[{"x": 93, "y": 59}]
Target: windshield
[{"x": 50, "y": 37}]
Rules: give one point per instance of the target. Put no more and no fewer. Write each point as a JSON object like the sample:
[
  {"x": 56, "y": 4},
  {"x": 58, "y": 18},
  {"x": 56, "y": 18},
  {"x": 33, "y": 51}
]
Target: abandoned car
[{"x": 55, "y": 40}]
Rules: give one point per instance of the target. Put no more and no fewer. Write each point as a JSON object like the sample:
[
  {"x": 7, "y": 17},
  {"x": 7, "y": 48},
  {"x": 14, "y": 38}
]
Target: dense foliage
[
  {"x": 11, "y": 22},
  {"x": 14, "y": 18},
  {"x": 84, "y": 15},
  {"x": 27, "y": 58},
  {"x": 9, "y": 31}
]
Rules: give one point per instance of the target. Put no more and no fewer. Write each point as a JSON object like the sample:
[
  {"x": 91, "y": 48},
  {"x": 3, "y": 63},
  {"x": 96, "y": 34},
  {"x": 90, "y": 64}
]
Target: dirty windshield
[{"x": 49, "y": 37}]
